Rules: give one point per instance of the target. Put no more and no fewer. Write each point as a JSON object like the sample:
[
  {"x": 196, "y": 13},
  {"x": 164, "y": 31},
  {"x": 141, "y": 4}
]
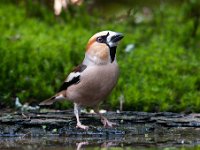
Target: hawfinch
[{"x": 93, "y": 80}]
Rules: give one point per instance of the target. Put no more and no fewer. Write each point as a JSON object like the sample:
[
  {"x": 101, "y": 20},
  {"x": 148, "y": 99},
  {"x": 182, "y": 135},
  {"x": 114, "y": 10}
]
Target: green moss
[{"x": 160, "y": 74}]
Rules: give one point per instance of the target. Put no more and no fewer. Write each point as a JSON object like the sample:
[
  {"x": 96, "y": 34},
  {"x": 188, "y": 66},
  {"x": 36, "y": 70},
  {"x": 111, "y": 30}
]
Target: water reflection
[{"x": 79, "y": 143}]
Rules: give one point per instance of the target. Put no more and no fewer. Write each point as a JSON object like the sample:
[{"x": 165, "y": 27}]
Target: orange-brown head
[{"x": 101, "y": 47}]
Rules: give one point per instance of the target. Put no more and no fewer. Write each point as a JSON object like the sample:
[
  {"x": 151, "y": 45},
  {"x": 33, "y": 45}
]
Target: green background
[{"x": 161, "y": 72}]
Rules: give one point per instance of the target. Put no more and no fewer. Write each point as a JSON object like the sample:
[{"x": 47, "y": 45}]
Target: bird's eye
[{"x": 100, "y": 39}]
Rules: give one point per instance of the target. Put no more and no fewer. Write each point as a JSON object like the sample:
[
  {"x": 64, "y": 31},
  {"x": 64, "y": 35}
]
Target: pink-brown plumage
[{"x": 93, "y": 80}]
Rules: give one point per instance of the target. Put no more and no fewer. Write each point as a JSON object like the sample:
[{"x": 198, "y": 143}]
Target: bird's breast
[{"x": 96, "y": 82}]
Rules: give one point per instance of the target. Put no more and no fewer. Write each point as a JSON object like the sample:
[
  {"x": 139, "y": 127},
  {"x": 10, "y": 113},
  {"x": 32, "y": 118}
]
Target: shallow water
[{"x": 147, "y": 142}]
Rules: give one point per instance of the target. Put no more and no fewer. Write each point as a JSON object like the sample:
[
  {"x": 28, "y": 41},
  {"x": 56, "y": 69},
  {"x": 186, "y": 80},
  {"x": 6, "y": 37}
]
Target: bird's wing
[{"x": 73, "y": 77}]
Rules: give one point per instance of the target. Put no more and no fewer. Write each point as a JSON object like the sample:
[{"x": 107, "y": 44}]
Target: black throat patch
[
  {"x": 103, "y": 39},
  {"x": 112, "y": 53}
]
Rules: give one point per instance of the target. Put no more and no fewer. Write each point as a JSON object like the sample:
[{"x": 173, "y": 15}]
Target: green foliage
[{"x": 160, "y": 74}]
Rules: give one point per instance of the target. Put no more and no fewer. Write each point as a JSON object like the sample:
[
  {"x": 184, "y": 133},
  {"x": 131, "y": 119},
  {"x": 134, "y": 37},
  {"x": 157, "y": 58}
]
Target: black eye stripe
[
  {"x": 107, "y": 34},
  {"x": 102, "y": 39}
]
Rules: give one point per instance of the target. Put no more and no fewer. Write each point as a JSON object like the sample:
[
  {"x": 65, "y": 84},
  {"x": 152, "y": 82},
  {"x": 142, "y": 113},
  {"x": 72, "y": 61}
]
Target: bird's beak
[
  {"x": 114, "y": 38},
  {"x": 117, "y": 37}
]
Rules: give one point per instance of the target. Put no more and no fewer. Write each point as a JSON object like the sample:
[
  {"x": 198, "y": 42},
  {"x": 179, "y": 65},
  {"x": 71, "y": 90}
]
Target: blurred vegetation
[{"x": 160, "y": 73}]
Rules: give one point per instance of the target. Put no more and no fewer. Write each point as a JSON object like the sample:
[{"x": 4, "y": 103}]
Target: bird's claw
[
  {"x": 82, "y": 126},
  {"x": 107, "y": 123}
]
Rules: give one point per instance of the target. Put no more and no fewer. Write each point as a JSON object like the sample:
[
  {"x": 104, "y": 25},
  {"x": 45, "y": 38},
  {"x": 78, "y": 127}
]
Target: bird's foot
[
  {"x": 107, "y": 123},
  {"x": 79, "y": 125}
]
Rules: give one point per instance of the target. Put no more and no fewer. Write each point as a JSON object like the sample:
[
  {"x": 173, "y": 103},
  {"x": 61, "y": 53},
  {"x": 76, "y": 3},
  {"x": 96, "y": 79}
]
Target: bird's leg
[
  {"x": 76, "y": 112},
  {"x": 104, "y": 120}
]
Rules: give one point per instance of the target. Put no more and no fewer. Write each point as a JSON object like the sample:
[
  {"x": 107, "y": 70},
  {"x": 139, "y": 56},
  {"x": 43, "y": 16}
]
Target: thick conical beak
[
  {"x": 117, "y": 37},
  {"x": 114, "y": 38}
]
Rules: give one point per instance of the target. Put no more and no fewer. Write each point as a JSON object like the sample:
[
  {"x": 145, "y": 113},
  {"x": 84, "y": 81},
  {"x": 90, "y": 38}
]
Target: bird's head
[{"x": 101, "y": 47}]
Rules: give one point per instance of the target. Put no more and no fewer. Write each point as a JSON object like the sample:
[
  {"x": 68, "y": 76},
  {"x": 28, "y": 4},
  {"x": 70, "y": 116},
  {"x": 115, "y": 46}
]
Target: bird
[{"x": 93, "y": 80}]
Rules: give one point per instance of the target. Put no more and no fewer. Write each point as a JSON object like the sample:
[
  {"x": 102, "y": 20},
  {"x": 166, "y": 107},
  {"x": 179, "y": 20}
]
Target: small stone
[{"x": 55, "y": 130}]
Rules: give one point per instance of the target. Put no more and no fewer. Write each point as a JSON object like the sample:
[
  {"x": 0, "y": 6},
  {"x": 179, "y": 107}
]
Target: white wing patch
[
  {"x": 59, "y": 97},
  {"x": 72, "y": 75}
]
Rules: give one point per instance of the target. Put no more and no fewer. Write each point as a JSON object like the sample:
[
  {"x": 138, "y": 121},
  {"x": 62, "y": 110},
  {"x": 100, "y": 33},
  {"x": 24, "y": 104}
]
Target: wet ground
[{"x": 56, "y": 130}]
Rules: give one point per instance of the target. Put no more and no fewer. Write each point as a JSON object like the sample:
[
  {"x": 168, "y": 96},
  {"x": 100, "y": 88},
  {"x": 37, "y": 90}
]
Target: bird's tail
[{"x": 49, "y": 101}]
